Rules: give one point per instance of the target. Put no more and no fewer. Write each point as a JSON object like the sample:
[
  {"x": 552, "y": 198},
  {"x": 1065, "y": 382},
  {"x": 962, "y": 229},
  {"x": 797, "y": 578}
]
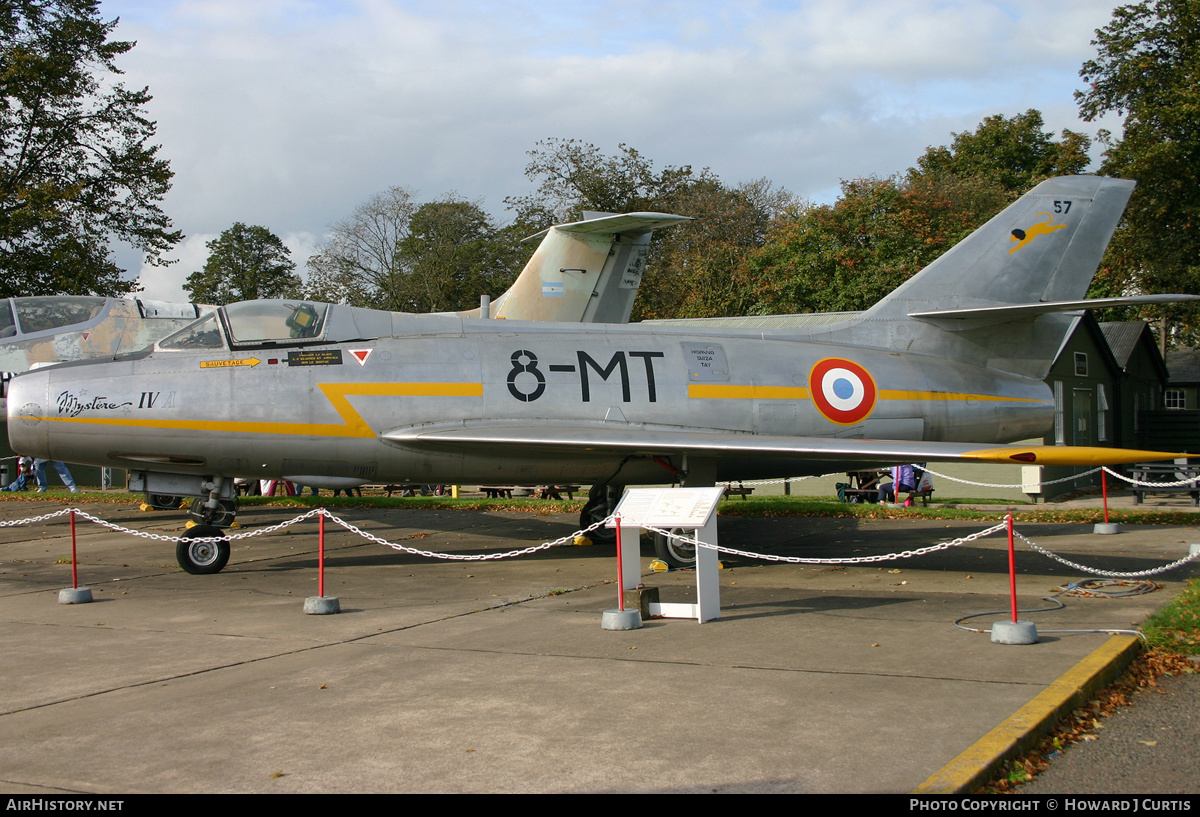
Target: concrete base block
[
  {"x": 621, "y": 620},
  {"x": 641, "y": 598},
  {"x": 1106, "y": 527},
  {"x": 322, "y": 605},
  {"x": 1014, "y": 632},
  {"x": 75, "y": 595}
]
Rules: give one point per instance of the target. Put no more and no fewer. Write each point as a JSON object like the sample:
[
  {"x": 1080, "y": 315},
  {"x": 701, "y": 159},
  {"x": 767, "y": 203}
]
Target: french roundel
[{"x": 843, "y": 391}]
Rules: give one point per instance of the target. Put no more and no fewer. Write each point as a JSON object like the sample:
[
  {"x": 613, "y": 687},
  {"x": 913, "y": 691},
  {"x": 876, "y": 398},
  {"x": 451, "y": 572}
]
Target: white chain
[
  {"x": 771, "y": 557},
  {"x": 849, "y": 560},
  {"x": 1006, "y": 485},
  {"x": 1191, "y": 483},
  {"x": 431, "y": 554},
  {"x": 33, "y": 519},
  {"x": 1109, "y": 573},
  {"x": 166, "y": 538}
]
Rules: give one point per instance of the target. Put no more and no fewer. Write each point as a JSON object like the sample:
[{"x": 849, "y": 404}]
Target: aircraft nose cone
[{"x": 26, "y": 408}]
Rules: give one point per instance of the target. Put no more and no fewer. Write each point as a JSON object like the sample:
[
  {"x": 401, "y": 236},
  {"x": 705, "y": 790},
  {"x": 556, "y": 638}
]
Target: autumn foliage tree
[
  {"x": 1147, "y": 69},
  {"x": 78, "y": 169},
  {"x": 244, "y": 263},
  {"x": 847, "y": 255}
]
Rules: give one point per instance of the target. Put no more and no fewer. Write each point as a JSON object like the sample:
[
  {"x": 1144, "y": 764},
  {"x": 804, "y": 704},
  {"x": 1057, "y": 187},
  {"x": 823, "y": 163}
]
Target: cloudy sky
[{"x": 289, "y": 113}]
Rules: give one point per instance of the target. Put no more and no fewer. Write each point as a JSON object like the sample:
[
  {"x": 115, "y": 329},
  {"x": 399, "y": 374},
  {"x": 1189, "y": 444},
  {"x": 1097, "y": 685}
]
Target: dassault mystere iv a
[
  {"x": 40, "y": 330},
  {"x": 947, "y": 367}
]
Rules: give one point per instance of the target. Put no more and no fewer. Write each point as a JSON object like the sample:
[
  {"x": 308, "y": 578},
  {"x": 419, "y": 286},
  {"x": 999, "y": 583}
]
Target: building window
[
  {"x": 1174, "y": 399},
  {"x": 1060, "y": 435},
  {"x": 1101, "y": 414},
  {"x": 1081, "y": 364}
]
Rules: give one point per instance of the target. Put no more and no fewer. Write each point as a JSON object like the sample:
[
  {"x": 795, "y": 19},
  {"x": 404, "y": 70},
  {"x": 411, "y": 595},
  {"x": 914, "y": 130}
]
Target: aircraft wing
[{"x": 666, "y": 441}]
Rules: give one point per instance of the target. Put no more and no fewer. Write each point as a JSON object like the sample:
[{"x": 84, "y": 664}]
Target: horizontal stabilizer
[
  {"x": 671, "y": 441},
  {"x": 1029, "y": 310},
  {"x": 623, "y": 224}
]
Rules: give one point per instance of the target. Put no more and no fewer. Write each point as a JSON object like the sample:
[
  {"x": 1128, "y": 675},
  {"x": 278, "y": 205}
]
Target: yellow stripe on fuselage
[
  {"x": 900, "y": 394},
  {"x": 723, "y": 391},
  {"x": 338, "y": 394}
]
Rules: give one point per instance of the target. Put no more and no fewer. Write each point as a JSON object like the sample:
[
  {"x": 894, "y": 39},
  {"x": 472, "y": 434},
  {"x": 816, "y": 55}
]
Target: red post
[
  {"x": 620, "y": 569},
  {"x": 1104, "y": 492},
  {"x": 1012, "y": 567},
  {"x": 74, "y": 562},
  {"x": 321, "y": 555}
]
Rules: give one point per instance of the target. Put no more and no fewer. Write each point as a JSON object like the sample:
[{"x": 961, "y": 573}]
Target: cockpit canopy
[
  {"x": 28, "y": 316},
  {"x": 279, "y": 323}
]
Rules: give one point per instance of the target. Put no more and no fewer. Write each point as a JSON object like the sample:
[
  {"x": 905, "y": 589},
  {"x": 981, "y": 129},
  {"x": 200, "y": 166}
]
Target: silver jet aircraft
[{"x": 947, "y": 367}]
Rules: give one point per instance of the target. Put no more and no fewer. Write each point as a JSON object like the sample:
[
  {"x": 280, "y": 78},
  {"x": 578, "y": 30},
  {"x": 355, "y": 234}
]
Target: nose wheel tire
[
  {"x": 674, "y": 552},
  {"x": 202, "y": 558}
]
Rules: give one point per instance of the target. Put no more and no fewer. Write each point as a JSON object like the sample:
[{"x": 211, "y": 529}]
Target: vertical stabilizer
[
  {"x": 1045, "y": 246},
  {"x": 587, "y": 271},
  {"x": 1003, "y": 296}
]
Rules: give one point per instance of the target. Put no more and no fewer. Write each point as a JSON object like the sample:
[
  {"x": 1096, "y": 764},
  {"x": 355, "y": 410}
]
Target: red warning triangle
[{"x": 360, "y": 355}]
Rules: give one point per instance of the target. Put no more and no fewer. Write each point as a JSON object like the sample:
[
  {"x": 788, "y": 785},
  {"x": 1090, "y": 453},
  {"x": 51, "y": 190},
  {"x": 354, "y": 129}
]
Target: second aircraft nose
[{"x": 26, "y": 413}]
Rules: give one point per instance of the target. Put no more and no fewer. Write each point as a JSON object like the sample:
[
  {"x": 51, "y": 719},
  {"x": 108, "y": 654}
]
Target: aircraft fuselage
[{"x": 345, "y": 410}]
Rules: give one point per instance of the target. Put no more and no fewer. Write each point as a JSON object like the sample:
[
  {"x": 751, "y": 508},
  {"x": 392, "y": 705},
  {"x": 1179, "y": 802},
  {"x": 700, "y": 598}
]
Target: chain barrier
[
  {"x": 1006, "y": 485},
  {"x": 1194, "y": 482},
  {"x": 1112, "y": 574},
  {"x": 847, "y": 560},
  {"x": 562, "y": 540},
  {"x": 429, "y": 554}
]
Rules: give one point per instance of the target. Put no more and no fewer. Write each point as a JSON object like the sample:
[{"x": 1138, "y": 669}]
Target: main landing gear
[{"x": 601, "y": 502}]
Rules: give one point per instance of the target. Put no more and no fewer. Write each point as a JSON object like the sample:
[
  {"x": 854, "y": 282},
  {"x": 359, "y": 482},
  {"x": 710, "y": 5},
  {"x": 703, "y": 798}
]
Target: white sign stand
[{"x": 692, "y": 509}]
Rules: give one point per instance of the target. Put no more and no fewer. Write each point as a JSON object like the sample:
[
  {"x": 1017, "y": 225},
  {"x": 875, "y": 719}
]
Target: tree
[
  {"x": 574, "y": 176},
  {"x": 394, "y": 254},
  {"x": 689, "y": 269},
  {"x": 1148, "y": 70},
  {"x": 1015, "y": 152},
  {"x": 244, "y": 263},
  {"x": 360, "y": 262},
  {"x": 454, "y": 253},
  {"x": 693, "y": 268},
  {"x": 77, "y": 170},
  {"x": 847, "y": 255}
]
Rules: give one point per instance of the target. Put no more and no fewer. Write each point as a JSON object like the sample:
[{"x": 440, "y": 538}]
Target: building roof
[
  {"x": 1122, "y": 337},
  {"x": 1183, "y": 365}
]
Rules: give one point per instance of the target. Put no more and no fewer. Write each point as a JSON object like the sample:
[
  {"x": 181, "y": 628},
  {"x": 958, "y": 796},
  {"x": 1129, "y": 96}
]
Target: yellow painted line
[
  {"x": 898, "y": 394},
  {"x": 222, "y": 364},
  {"x": 338, "y": 394},
  {"x": 721, "y": 391},
  {"x": 1021, "y": 731}
]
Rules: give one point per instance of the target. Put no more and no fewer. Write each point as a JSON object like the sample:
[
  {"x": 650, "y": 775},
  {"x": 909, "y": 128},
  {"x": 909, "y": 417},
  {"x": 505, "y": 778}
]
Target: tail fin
[
  {"x": 1045, "y": 246},
  {"x": 1004, "y": 290},
  {"x": 587, "y": 271}
]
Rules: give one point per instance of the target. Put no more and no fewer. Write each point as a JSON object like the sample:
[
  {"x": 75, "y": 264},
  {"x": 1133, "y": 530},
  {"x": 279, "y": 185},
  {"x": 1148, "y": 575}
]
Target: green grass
[{"x": 1176, "y": 627}]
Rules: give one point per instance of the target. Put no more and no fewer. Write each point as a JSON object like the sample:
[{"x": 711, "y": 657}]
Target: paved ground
[{"x": 496, "y": 676}]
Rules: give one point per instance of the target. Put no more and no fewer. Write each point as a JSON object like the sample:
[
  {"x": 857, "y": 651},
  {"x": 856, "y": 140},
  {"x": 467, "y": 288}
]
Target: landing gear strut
[{"x": 602, "y": 501}]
